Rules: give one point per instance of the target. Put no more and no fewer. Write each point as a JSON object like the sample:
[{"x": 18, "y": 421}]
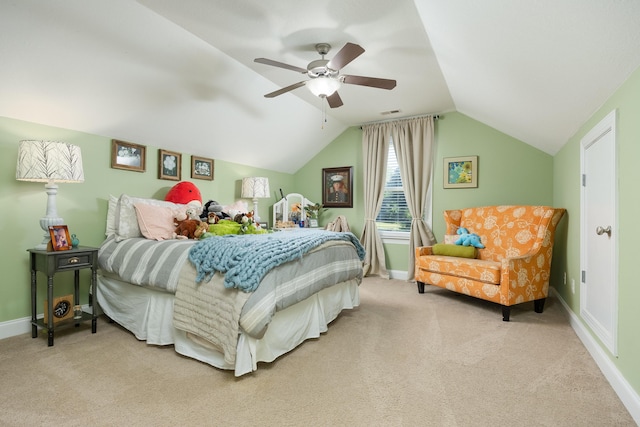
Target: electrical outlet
[{"x": 573, "y": 286}]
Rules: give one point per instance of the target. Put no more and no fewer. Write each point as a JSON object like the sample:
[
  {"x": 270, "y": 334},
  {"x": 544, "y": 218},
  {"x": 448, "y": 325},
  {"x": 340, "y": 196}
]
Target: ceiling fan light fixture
[{"x": 323, "y": 86}]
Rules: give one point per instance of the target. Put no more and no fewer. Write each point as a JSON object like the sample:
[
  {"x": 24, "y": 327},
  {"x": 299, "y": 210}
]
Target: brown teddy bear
[{"x": 189, "y": 228}]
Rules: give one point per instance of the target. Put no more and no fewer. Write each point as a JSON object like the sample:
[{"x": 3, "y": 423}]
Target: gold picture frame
[
  {"x": 128, "y": 156},
  {"x": 202, "y": 168},
  {"x": 460, "y": 172},
  {"x": 169, "y": 165},
  {"x": 60, "y": 239}
]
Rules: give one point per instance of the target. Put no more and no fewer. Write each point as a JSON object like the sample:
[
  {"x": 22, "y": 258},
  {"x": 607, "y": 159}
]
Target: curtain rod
[{"x": 435, "y": 117}]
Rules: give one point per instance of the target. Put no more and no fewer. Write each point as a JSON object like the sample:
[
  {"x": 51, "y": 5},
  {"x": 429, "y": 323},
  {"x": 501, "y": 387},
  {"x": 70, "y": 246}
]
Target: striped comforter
[{"x": 164, "y": 265}]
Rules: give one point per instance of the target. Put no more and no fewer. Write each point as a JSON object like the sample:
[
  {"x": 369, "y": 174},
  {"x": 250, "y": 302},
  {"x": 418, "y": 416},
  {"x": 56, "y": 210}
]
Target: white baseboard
[
  {"x": 630, "y": 399},
  {"x": 15, "y": 327},
  {"x": 398, "y": 274},
  {"x": 21, "y": 326}
]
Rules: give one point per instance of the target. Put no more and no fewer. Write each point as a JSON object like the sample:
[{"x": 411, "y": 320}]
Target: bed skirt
[{"x": 148, "y": 315}]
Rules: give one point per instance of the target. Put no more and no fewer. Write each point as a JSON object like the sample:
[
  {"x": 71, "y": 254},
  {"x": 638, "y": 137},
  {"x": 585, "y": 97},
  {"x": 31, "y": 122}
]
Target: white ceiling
[{"x": 181, "y": 76}]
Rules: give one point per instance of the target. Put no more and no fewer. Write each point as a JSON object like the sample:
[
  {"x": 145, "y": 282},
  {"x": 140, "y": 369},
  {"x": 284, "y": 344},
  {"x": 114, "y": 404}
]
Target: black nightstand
[{"x": 51, "y": 263}]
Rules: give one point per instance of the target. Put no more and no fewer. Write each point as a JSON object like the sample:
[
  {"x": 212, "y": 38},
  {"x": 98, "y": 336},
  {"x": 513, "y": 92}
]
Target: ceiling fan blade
[
  {"x": 281, "y": 65},
  {"x": 347, "y": 54},
  {"x": 369, "y": 81},
  {"x": 334, "y": 100},
  {"x": 284, "y": 90}
]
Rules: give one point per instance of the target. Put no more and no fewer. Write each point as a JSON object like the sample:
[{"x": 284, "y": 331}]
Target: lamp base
[
  {"x": 256, "y": 217},
  {"x": 51, "y": 218}
]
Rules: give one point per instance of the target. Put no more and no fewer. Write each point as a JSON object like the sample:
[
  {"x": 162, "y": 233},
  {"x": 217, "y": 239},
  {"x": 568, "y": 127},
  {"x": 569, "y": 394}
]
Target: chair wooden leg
[
  {"x": 538, "y": 305},
  {"x": 506, "y": 312},
  {"x": 420, "y": 287}
]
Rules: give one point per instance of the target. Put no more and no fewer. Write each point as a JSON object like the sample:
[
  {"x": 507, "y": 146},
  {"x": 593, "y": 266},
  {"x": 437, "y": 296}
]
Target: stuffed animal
[
  {"x": 252, "y": 220},
  {"x": 184, "y": 193},
  {"x": 245, "y": 220},
  {"x": 212, "y": 218},
  {"x": 201, "y": 230},
  {"x": 468, "y": 239},
  {"x": 191, "y": 212},
  {"x": 186, "y": 228},
  {"x": 212, "y": 207}
]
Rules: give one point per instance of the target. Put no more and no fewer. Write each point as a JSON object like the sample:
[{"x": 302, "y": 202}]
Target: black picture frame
[{"x": 337, "y": 187}]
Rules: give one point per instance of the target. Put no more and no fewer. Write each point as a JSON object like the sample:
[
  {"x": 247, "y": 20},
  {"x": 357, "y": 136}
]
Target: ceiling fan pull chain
[{"x": 324, "y": 112}]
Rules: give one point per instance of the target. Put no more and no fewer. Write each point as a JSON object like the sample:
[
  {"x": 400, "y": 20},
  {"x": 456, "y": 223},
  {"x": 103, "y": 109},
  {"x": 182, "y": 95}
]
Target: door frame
[{"x": 609, "y": 338}]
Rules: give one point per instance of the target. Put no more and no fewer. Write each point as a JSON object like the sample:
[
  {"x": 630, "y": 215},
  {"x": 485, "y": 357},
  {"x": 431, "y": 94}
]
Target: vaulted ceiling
[{"x": 182, "y": 76}]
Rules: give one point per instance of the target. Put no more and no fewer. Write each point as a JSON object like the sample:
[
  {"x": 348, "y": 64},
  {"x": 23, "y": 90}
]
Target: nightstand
[{"x": 51, "y": 263}]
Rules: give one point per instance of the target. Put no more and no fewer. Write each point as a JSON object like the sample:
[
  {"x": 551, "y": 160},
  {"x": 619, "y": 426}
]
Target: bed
[{"x": 266, "y": 295}]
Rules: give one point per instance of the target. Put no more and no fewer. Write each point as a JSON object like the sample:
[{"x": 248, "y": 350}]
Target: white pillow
[
  {"x": 126, "y": 219},
  {"x": 111, "y": 216},
  {"x": 235, "y": 208}
]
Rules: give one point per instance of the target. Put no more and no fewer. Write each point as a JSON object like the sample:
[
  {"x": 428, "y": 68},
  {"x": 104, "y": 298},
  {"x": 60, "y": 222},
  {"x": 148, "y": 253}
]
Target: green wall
[
  {"x": 344, "y": 151},
  {"x": 567, "y": 193},
  {"x": 511, "y": 172},
  {"x": 84, "y": 206}
]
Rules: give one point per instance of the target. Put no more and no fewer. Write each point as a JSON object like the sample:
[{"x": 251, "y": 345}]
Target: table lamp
[
  {"x": 50, "y": 162},
  {"x": 255, "y": 188}
]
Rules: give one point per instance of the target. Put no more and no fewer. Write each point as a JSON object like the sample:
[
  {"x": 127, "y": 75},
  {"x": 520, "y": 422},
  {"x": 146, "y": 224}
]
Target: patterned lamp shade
[
  {"x": 49, "y": 161},
  {"x": 255, "y": 187}
]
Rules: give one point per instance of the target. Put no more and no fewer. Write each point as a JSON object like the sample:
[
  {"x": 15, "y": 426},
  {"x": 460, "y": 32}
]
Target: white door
[{"x": 598, "y": 253}]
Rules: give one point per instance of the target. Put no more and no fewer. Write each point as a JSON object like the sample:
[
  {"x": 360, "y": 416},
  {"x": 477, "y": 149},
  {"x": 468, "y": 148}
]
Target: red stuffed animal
[{"x": 184, "y": 193}]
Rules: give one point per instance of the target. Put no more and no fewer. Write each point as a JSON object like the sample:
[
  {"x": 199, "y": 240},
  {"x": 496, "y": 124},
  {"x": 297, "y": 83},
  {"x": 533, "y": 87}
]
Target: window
[{"x": 394, "y": 215}]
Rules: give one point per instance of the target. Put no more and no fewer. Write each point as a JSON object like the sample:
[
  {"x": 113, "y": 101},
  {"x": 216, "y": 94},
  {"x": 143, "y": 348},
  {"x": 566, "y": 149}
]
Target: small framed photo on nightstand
[{"x": 60, "y": 239}]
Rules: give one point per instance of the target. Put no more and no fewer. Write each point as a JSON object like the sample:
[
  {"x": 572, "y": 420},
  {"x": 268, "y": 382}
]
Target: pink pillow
[{"x": 155, "y": 222}]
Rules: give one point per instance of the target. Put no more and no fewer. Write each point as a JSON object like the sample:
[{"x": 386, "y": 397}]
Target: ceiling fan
[{"x": 325, "y": 78}]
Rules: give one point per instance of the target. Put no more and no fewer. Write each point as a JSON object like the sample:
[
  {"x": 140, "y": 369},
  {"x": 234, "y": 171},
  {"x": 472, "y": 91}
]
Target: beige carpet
[{"x": 400, "y": 359}]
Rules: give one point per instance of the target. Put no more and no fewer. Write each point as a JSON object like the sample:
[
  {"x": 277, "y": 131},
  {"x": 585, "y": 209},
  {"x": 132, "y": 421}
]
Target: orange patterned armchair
[{"x": 514, "y": 266}]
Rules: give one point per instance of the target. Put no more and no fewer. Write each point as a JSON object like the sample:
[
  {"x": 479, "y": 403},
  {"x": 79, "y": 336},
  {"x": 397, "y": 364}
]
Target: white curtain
[
  {"x": 374, "y": 150},
  {"x": 413, "y": 140}
]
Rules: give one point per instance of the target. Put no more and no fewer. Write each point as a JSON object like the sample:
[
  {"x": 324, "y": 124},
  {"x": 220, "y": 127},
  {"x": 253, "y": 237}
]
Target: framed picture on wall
[
  {"x": 337, "y": 187},
  {"x": 169, "y": 165},
  {"x": 128, "y": 156},
  {"x": 460, "y": 172},
  {"x": 201, "y": 168}
]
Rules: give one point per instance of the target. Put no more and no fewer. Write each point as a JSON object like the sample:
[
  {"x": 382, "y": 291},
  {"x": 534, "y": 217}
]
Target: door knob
[{"x": 600, "y": 231}]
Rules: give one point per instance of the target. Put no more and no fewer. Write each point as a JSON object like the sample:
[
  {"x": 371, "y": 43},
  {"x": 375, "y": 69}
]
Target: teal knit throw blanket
[{"x": 245, "y": 259}]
